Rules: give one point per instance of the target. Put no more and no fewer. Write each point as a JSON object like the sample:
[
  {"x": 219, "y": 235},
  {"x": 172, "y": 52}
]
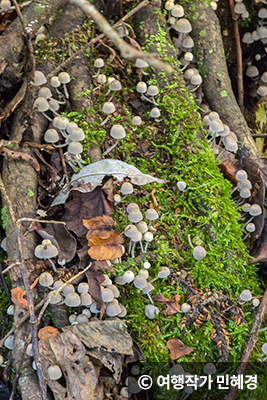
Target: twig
[
  {"x": 240, "y": 87},
  {"x": 97, "y": 38},
  {"x": 21, "y": 321},
  {"x": 64, "y": 165},
  {"x": 28, "y": 39},
  {"x": 253, "y": 337},
  {"x": 51, "y": 295},
  {"x": 14, "y": 383},
  {"x": 28, "y": 292}
]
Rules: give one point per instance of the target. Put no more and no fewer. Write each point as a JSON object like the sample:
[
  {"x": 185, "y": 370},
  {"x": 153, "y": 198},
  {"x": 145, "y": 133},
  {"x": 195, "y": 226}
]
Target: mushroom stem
[
  {"x": 113, "y": 94},
  {"x": 66, "y": 91},
  {"x": 133, "y": 248},
  {"x": 146, "y": 246},
  {"x": 52, "y": 265},
  {"x": 141, "y": 245},
  {"x": 60, "y": 145},
  {"x": 111, "y": 148},
  {"x": 240, "y": 202},
  {"x": 96, "y": 75},
  {"x": 158, "y": 120},
  {"x": 53, "y": 111},
  {"x": 130, "y": 246},
  {"x": 105, "y": 120},
  {"x": 247, "y": 235},
  {"x": 143, "y": 72},
  {"x": 189, "y": 241},
  {"x": 150, "y": 298},
  {"x": 46, "y": 116},
  {"x": 146, "y": 98},
  {"x": 243, "y": 227}
]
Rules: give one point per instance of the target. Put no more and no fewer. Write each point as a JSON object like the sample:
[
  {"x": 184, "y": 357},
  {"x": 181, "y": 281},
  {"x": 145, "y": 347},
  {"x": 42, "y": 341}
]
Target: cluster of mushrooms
[{"x": 60, "y": 127}]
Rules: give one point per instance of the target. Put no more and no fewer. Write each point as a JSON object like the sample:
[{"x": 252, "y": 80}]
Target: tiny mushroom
[
  {"x": 181, "y": 186},
  {"x": 139, "y": 63},
  {"x": 54, "y": 372},
  {"x": 64, "y": 78},
  {"x": 86, "y": 299},
  {"x": 152, "y": 215},
  {"x": 136, "y": 121},
  {"x": 56, "y": 298},
  {"x": 209, "y": 369},
  {"x": 155, "y": 113},
  {"x": 46, "y": 279},
  {"x": 199, "y": 253},
  {"x": 128, "y": 276},
  {"x": 69, "y": 288},
  {"x": 117, "y": 132},
  {"x": 83, "y": 287},
  {"x": 108, "y": 108},
  {"x": 42, "y": 105},
  {"x": 9, "y": 342},
  {"x": 98, "y": 63},
  {"x": 140, "y": 282},
  {"x": 148, "y": 237},
  {"x": 151, "y": 311},
  {"x": 113, "y": 309},
  {"x": 246, "y": 295},
  {"x": 39, "y": 78},
  {"x": 51, "y": 136},
  {"x": 72, "y": 300},
  {"x": 126, "y": 188},
  {"x": 153, "y": 91},
  {"x": 75, "y": 148},
  {"x": 114, "y": 86}
]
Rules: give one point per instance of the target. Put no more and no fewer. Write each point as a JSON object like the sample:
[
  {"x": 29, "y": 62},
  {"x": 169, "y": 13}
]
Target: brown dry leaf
[
  {"x": 114, "y": 238},
  {"x": 172, "y": 306},
  {"x": 178, "y": 349},
  {"x": 99, "y": 226},
  {"x": 105, "y": 252},
  {"x": 84, "y": 206},
  {"x": 95, "y": 278},
  {"x": 47, "y": 331},
  {"x": 17, "y": 296}
]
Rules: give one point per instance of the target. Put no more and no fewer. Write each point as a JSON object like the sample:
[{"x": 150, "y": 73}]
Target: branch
[
  {"x": 253, "y": 337},
  {"x": 28, "y": 292},
  {"x": 126, "y": 50}
]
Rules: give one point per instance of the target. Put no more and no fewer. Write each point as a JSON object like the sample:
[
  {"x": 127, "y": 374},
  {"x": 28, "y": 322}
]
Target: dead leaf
[
  {"x": 92, "y": 175},
  {"x": 47, "y": 331},
  {"x": 178, "y": 349},
  {"x": 17, "y": 155},
  {"x": 105, "y": 252},
  {"x": 99, "y": 226},
  {"x": 95, "y": 278},
  {"x": 17, "y": 296},
  {"x": 61, "y": 238},
  {"x": 114, "y": 239},
  {"x": 172, "y": 306},
  {"x": 84, "y": 206}
]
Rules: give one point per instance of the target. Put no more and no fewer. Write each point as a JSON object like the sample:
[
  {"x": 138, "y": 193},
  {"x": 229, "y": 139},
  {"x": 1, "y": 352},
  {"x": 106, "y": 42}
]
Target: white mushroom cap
[
  {"x": 136, "y": 236},
  {"x": 176, "y": 370},
  {"x": 29, "y": 350},
  {"x": 183, "y": 26},
  {"x": 131, "y": 207},
  {"x": 255, "y": 302},
  {"x": 42, "y": 104},
  {"x": 113, "y": 309},
  {"x": 39, "y": 78},
  {"x": 255, "y": 210},
  {"x": 130, "y": 231},
  {"x": 87, "y": 312},
  {"x": 5, "y": 5},
  {"x": 164, "y": 272},
  {"x": 126, "y": 188},
  {"x": 151, "y": 311},
  {"x": 54, "y": 104},
  {"x": 141, "y": 87},
  {"x": 72, "y": 318},
  {"x": 114, "y": 289},
  {"x": 147, "y": 265},
  {"x": 101, "y": 78},
  {"x": 57, "y": 284},
  {"x": 99, "y": 63},
  {"x": 81, "y": 318},
  {"x": 240, "y": 8},
  {"x": 143, "y": 272},
  {"x": 245, "y": 193},
  {"x": 108, "y": 108},
  {"x": 142, "y": 227},
  {"x": 244, "y": 184},
  {"x": 246, "y": 295},
  {"x": 231, "y": 145},
  {"x": 151, "y": 214},
  {"x": 177, "y": 11},
  {"x": 246, "y": 207},
  {"x": 77, "y": 134},
  {"x": 9, "y": 342},
  {"x": 75, "y": 148},
  {"x": 64, "y": 77},
  {"x": 86, "y": 299},
  {"x": 123, "y": 312},
  {"x": 107, "y": 280},
  {"x": 148, "y": 237},
  {"x": 119, "y": 280},
  {"x": 148, "y": 288},
  {"x": 188, "y": 56},
  {"x": 49, "y": 250},
  {"x": 128, "y": 276},
  {"x": 72, "y": 299},
  {"x": 216, "y": 125},
  {"x": 199, "y": 253},
  {"x": 107, "y": 295},
  {"x": 152, "y": 90},
  {"x": 209, "y": 369},
  {"x": 196, "y": 79},
  {"x": 241, "y": 175},
  {"x": 69, "y": 288},
  {"x": 155, "y": 112},
  {"x": 117, "y": 198},
  {"x": 115, "y": 85},
  {"x": 185, "y": 307},
  {"x": 262, "y": 90},
  {"x": 252, "y": 71},
  {"x": 10, "y": 310},
  {"x": 57, "y": 298},
  {"x": 250, "y": 227},
  {"x": 188, "y": 42},
  {"x": 45, "y": 92},
  {"x": 181, "y": 185},
  {"x": 135, "y": 216},
  {"x": 188, "y": 74},
  {"x": 60, "y": 122},
  {"x": 54, "y": 372},
  {"x": 46, "y": 279},
  {"x": 140, "y": 282},
  {"x": 39, "y": 251},
  {"x": 264, "y": 348},
  {"x": 139, "y": 63},
  {"x": 71, "y": 126},
  {"x": 83, "y": 287},
  {"x": 247, "y": 38},
  {"x": 169, "y": 5},
  {"x": 55, "y": 82},
  {"x": 117, "y": 132},
  {"x": 136, "y": 120}
]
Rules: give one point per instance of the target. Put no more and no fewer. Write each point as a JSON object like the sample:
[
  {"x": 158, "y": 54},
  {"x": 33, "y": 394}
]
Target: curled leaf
[
  {"x": 17, "y": 296},
  {"x": 178, "y": 349}
]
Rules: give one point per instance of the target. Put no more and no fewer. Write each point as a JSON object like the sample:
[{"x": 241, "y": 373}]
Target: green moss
[{"x": 4, "y": 217}]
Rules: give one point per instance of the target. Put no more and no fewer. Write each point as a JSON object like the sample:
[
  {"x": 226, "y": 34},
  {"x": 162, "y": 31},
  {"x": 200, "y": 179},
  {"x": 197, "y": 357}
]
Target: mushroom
[
  {"x": 245, "y": 296},
  {"x": 135, "y": 216},
  {"x": 117, "y": 198},
  {"x": 113, "y": 308},
  {"x": 168, "y": 6},
  {"x": 42, "y": 105},
  {"x": 135, "y": 238},
  {"x": 148, "y": 237},
  {"x": 5, "y": 5},
  {"x": 75, "y": 148},
  {"x": 255, "y": 303},
  {"x": 139, "y": 63},
  {"x": 147, "y": 265},
  {"x": 72, "y": 318},
  {"x": 131, "y": 207},
  {"x": 72, "y": 300},
  {"x": 46, "y": 279},
  {"x": 51, "y": 136},
  {"x": 56, "y": 298},
  {"x": 254, "y": 211},
  {"x": 147, "y": 289},
  {"x": 114, "y": 289},
  {"x": 81, "y": 318},
  {"x": 249, "y": 228},
  {"x": 57, "y": 285},
  {"x": 39, "y": 78},
  {"x": 69, "y": 288},
  {"x": 241, "y": 175},
  {"x": 155, "y": 113},
  {"x": 185, "y": 307},
  {"x": 152, "y": 215},
  {"x": 107, "y": 295},
  {"x": 114, "y": 86},
  {"x": 77, "y": 134},
  {"x": 99, "y": 63},
  {"x": 136, "y": 121},
  {"x": 199, "y": 253},
  {"x": 153, "y": 91},
  {"x": 128, "y": 276},
  {"x": 141, "y": 87},
  {"x": 126, "y": 188},
  {"x": 9, "y": 342},
  {"x": 117, "y": 132},
  {"x": 151, "y": 311},
  {"x": 142, "y": 227},
  {"x": 10, "y": 310},
  {"x": 86, "y": 299},
  {"x": 55, "y": 83},
  {"x": 123, "y": 312},
  {"x": 101, "y": 79},
  {"x": 209, "y": 369},
  {"x": 140, "y": 282},
  {"x": 83, "y": 287},
  {"x": 108, "y": 108},
  {"x": 64, "y": 78},
  {"x": 54, "y": 372},
  {"x": 87, "y": 312},
  {"x": 29, "y": 350},
  {"x": 181, "y": 186}
]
